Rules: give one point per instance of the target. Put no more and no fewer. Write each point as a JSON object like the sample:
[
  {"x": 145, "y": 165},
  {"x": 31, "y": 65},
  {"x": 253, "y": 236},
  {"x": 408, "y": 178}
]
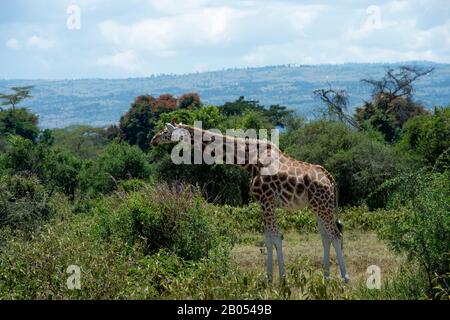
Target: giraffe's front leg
[
  {"x": 278, "y": 245},
  {"x": 269, "y": 246},
  {"x": 273, "y": 239}
]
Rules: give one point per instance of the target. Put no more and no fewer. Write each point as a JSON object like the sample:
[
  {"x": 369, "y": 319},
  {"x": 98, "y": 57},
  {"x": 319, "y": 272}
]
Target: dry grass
[{"x": 361, "y": 249}]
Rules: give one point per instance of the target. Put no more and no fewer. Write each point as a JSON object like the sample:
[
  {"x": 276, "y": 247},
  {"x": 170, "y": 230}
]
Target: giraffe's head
[{"x": 164, "y": 136}]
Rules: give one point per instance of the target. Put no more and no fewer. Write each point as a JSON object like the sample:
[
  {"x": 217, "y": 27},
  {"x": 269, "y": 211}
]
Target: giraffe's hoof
[{"x": 346, "y": 278}]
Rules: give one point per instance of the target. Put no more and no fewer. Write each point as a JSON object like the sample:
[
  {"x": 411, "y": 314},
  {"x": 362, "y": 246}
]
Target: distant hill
[{"x": 100, "y": 102}]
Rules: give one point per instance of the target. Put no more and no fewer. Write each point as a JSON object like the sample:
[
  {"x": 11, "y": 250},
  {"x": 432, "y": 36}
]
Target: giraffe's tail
[
  {"x": 340, "y": 227},
  {"x": 339, "y": 223}
]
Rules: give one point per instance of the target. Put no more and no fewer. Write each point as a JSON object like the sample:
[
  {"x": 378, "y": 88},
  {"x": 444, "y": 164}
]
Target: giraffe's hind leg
[
  {"x": 337, "y": 244},
  {"x": 330, "y": 235},
  {"x": 326, "y": 249}
]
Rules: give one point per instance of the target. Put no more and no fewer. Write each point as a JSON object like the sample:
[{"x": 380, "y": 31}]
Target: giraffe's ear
[{"x": 170, "y": 127}]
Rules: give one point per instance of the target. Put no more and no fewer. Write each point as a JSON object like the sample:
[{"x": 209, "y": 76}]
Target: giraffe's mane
[{"x": 244, "y": 140}]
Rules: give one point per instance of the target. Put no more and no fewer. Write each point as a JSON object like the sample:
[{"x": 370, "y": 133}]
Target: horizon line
[{"x": 290, "y": 65}]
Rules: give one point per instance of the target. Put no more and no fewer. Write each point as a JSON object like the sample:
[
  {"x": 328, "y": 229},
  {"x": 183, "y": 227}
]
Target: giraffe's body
[{"x": 294, "y": 185}]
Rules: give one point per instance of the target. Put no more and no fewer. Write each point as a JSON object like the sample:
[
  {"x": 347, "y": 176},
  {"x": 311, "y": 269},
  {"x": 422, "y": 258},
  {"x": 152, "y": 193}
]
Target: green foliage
[
  {"x": 24, "y": 202},
  {"x": 175, "y": 219},
  {"x": 359, "y": 163},
  {"x": 427, "y": 136},
  {"x": 189, "y": 101},
  {"x": 249, "y": 120},
  {"x": 57, "y": 170},
  {"x": 84, "y": 141},
  {"x": 388, "y": 115},
  {"x": 409, "y": 283},
  {"x": 119, "y": 161},
  {"x": 239, "y": 106},
  {"x": 36, "y": 268},
  {"x": 22, "y": 156},
  {"x": 63, "y": 170},
  {"x": 423, "y": 232},
  {"x": 275, "y": 115},
  {"x": 19, "y": 122},
  {"x": 210, "y": 116},
  {"x": 137, "y": 125},
  {"x": 138, "y": 122},
  {"x": 20, "y": 93},
  {"x": 208, "y": 177}
]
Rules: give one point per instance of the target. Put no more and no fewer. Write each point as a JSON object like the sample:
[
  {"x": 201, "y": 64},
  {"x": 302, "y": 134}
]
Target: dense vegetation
[{"x": 140, "y": 226}]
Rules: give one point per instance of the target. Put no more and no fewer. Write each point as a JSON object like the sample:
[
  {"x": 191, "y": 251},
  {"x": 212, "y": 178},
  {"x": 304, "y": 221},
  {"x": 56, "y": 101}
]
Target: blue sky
[{"x": 134, "y": 38}]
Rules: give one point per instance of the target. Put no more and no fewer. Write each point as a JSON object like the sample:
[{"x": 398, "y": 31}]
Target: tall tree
[
  {"x": 392, "y": 102},
  {"x": 18, "y": 121},
  {"x": 397, "y": 82},
  {"x": 337, "y": 103},
  {"x": 13, "y": 99}
]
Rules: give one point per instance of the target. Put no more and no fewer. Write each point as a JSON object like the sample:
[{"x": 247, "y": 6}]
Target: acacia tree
[
  {"x": 392, "y": 101},
  {"x": 337, "y": 103},
  {"x": 12, "y": 99},
  {"x": 18, "y": 121},
  {"x": 397, "y": 82}
]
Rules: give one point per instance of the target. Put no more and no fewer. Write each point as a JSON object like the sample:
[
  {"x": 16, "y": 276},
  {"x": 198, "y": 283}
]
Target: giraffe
[{"x": 294, "y": 185}]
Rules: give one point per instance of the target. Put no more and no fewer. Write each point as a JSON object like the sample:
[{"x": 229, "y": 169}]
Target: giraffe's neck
[{"x": 237, "y": 151}]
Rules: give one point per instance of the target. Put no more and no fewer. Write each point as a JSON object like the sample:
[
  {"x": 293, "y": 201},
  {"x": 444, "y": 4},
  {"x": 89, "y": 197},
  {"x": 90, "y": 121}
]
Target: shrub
[
  {"x": 84, "y": 141},
  {"x": 19, "y": 122},
  {"x": 36, "y": 268},
  {"x": 427, "y": 136},
  {"x": 423, "y": 231},
  {"x": 163, "y": 218},
  {"x": 24, "y": 202},
  {"x": 57, "y": 170},
  {"x": 408, "y": 283},
  {"x": 119, "y": 161}
]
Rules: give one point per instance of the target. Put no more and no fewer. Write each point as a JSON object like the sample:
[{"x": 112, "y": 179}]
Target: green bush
[
  {"x": 427, "y": 136},
  {"x": 57, "y": 170},
  {"x": 36, "y": 267},
  {"x": 84, "y": 141},
  {"x": 423, "y": 231},
  {"x": 24, "y": 202},
  {"x": 175, "y": 219},
  {"x": 19, "y": 122},
  {"x": 408, "y": 283},
  {"x": 119, "y": 161}
]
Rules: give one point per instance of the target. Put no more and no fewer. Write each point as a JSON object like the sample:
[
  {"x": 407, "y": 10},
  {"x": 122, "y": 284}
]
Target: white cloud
[
  {"x": 13, "y": 43},
  {"x": 165, "y": 34},
  {"x": 40, "y": 43},
  {"x": 177, "y": 6},
  {"x": 216, "y": 32},
  {"x": 178, "y": 36},
  {"x": 125, "y": 60}
]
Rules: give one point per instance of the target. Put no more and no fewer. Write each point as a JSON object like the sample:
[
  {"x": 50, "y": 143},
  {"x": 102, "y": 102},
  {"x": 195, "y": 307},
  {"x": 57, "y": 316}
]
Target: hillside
[{"x": 102, "y": 101}]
